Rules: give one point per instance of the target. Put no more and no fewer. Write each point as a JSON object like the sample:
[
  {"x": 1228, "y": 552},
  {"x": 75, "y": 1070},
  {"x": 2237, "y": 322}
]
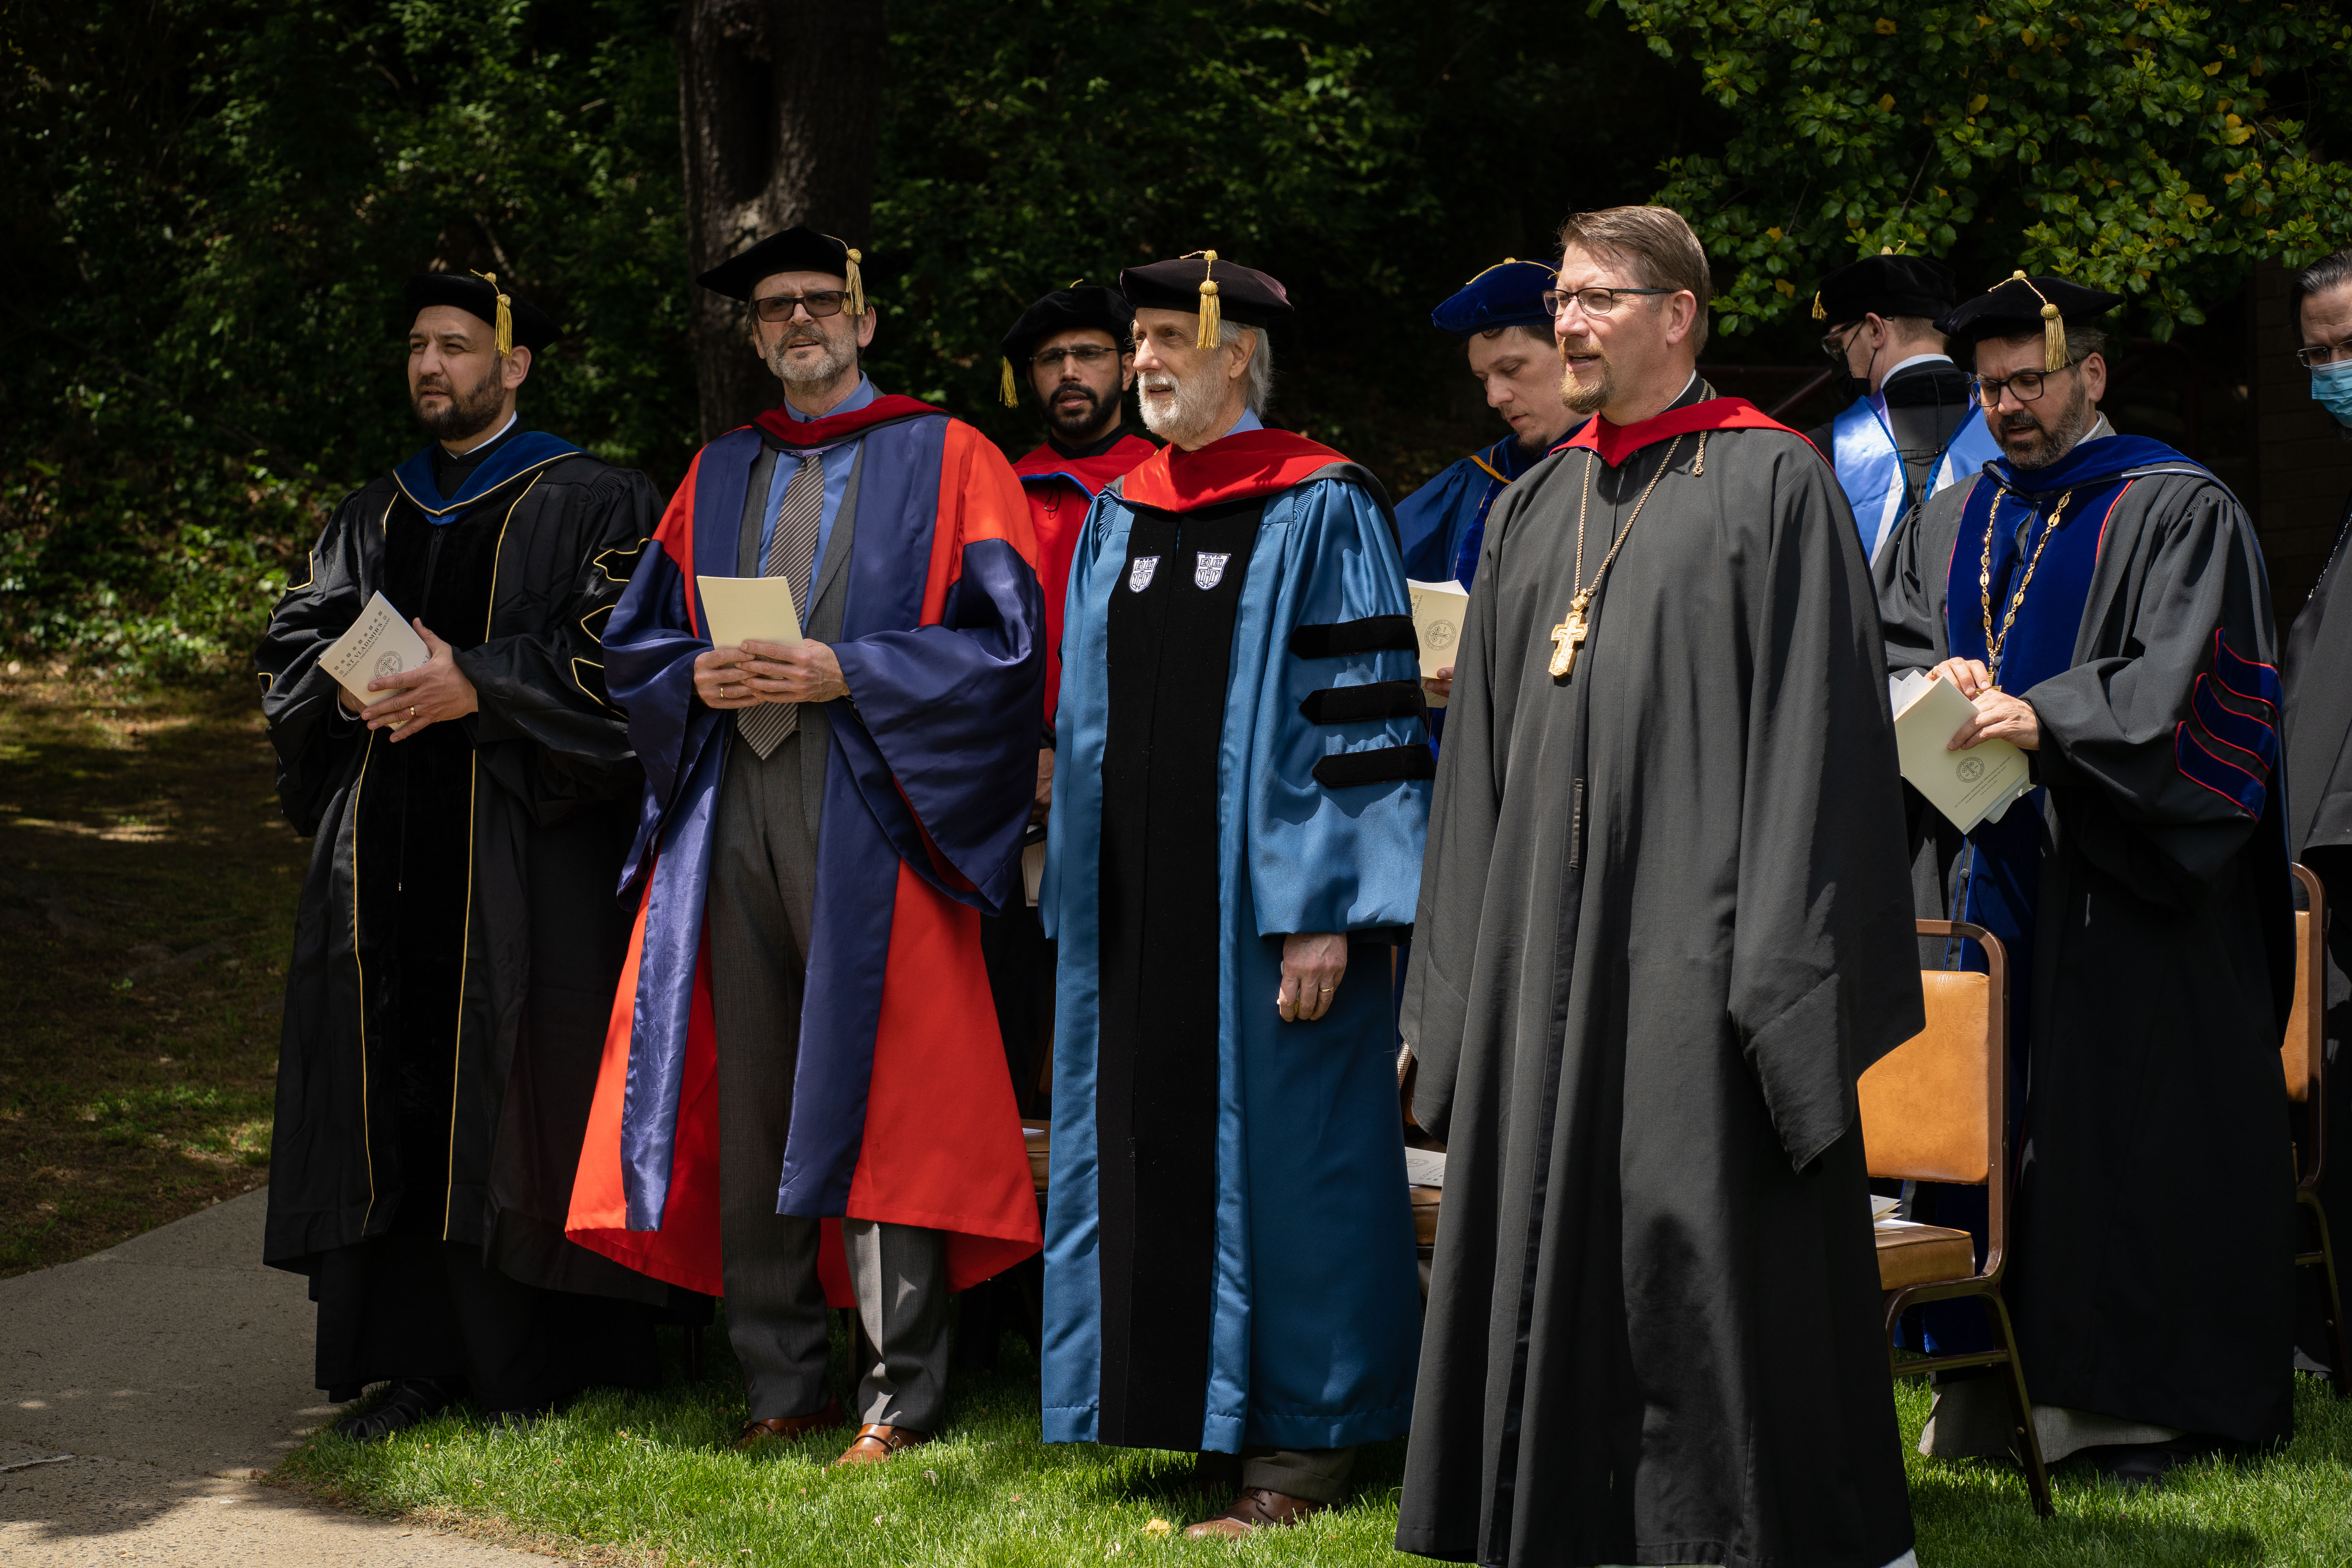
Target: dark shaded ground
[{"x": 147, "y": 888}]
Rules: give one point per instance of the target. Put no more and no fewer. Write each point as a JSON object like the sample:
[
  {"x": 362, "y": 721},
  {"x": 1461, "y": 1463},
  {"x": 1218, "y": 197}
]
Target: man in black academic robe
[
  {"x": 2317, "y": 671},
  {"x": 458, "y": 942},
  {"x": 2103, "y": 600},
  {"x": 1662, "y": 928}
]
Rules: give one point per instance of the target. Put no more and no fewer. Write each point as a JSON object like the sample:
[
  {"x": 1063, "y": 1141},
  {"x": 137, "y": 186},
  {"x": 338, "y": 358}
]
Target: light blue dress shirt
[
  {"x": 834, "y": 463},
  {"x": 1248, "y": 421}
]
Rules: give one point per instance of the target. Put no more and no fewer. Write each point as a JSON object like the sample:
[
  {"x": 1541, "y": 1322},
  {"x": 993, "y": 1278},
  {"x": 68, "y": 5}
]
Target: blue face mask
[{"x": 2331, "y": 385}]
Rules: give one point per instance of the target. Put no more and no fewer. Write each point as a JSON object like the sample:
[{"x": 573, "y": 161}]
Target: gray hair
[
  {"x": 1259, "y": 392},
  {"x": 2321, "y": 277}
]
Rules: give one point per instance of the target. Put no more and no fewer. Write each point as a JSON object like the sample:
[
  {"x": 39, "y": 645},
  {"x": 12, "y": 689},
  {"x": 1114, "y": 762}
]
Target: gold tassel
[
  {"x": 2053, "y": 327},
  {"x": 856, "y": 284},
  {"x": 1212, "y": 320},
  {"x": 501, "y": 330},
  {"x": 1819, "y": 315},
  {"x": 1004, "y": 388}
]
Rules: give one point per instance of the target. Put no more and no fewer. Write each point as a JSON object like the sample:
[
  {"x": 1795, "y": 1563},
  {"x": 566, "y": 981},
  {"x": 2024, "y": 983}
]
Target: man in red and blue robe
[{"x": 804, "y": 1098}]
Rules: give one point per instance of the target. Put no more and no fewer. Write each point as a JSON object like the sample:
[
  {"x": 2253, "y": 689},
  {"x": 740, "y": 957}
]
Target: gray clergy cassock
[{"x": 1663, "y": 926}]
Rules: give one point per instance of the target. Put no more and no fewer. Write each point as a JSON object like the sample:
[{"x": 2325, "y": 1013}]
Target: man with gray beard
[
  {"x": 806, "y": 1092},
  {"x": 1233, "y": 847},
  {"x": 2103, "y": 601}
]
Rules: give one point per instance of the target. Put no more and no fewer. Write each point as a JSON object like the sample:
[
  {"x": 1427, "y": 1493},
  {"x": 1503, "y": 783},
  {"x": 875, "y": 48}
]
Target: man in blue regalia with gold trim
[
  {"x": 1505, "y": 333},
  {"x": 458, "y": 942}
]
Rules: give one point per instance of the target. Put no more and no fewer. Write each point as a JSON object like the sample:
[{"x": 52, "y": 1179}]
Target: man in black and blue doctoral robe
[
  {"x": 1912, "y": 428},
  {"x": 2103, "y": 600},
  {"x": 457, "y": 940},
  {"x": 1239, "y": 803}
]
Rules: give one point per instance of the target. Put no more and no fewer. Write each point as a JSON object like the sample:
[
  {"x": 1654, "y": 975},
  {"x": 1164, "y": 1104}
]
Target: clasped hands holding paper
[
  {"x": 413, "y": 699},
  {"x": 761, "y": 671},
  {"x": 1999, "y": 716}
]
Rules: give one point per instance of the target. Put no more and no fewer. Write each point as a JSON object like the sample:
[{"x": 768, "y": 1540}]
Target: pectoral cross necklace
[{"x": 1567, "y": 638}]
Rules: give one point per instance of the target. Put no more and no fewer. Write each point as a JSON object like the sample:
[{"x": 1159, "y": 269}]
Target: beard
[
  {"x": 469, "y": 410},
  {"x": 2050, "y": 441},
  {"x": 1075, "y": 421},
  {"x": 1190, "y": 419},
  {"x": 1587, "y": 397},
  {"x": 810, "y": 375}
]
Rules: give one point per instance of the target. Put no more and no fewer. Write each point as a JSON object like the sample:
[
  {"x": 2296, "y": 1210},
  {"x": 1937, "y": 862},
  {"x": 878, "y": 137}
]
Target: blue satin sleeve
[
  {"x": 1324, "y": 859},
  {"x": 950, "y": 711}
]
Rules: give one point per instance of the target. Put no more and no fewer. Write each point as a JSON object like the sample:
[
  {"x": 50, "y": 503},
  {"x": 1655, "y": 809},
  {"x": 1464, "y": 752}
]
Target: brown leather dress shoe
[
  {"x": 1254, "y": 1510},
  {"x": 784, "y": 1428},
  {"x": 876, "y": 1442}
]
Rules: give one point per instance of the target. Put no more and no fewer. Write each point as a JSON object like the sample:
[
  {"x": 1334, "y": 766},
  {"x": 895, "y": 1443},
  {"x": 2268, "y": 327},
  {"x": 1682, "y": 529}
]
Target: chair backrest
[
  {"x": 1936, "y": 1107},
  {"x": 1926, "y": 1116},
  {"x": 2304, "y": 1052}
]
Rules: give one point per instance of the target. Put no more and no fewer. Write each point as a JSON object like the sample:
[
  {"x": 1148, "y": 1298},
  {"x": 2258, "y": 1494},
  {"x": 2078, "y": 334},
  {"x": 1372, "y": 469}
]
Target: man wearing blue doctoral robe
[{"x": 1238, "y": 815}]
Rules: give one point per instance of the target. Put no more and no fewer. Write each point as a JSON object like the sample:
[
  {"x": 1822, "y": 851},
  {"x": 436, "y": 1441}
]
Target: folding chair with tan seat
[
  {"x": 2304, "y": 1056},
  {"x": 1936, "y": 1109}
]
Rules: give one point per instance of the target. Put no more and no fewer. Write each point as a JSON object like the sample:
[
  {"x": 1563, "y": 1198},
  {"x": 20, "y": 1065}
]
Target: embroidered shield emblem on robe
[
  {"x": 1208, "y": 570},
  {"x": 1139, "y": 571}
]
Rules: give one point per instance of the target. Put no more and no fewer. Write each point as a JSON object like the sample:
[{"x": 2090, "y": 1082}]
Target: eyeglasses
[
  {"x": 2026, "y": 385},
  {"x": 1834, "y": 341},
  {"x": 1595, "y": 301},
  {"x": 2318, "y": 355},
  {"x": 822, "y": 303},
  {"x": 1086, "y": 353}
]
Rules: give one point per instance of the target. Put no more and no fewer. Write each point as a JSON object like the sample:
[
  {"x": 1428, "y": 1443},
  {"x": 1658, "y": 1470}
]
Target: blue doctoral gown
[{"x": 1314, "y": 1317}]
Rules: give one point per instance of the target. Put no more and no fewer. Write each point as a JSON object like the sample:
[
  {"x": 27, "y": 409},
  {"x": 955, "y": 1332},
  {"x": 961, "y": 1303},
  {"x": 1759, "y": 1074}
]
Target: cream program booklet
[
  {"x": 1438, "y": 610},
  {"x": 1968, "y": 787},
  {"x": 750, "y": 607},
  {"x": 380, "y": 642}
]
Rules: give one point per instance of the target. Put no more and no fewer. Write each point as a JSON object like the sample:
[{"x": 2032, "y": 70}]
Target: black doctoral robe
[
  {"x": 2149, "y": 1276},
  {"x": 2317, "y": 671},
  {"x": 457, "y": 940},
  {"x": 1663, "y": 928}
]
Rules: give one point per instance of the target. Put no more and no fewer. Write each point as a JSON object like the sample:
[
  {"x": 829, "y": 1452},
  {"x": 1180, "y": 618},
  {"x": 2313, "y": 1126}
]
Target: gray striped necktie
[{"x": 790, "y": 553}]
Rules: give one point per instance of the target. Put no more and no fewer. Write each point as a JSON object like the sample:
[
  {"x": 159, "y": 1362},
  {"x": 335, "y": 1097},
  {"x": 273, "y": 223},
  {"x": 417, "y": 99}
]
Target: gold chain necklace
[
  {"x": 1993, "y": 645},
  {"x": 1567, "y": 638}
]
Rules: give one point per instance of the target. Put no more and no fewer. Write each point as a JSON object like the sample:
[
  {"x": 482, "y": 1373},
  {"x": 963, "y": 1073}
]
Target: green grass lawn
[{"x": 647, "y": 1474}]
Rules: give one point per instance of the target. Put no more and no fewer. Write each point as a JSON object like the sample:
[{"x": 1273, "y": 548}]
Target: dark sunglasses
[{"x": 822, "y": 303}]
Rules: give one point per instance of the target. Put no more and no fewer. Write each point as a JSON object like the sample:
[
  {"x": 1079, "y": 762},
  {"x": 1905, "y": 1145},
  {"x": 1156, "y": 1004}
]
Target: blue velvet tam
[{"x": 1508, "y": 294}]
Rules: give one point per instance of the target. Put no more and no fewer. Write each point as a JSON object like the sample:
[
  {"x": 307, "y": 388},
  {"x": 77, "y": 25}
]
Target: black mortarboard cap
[
  {"x": 1082, "y": 304},
  {"x": 1507, "y": 294},
  {"x": 1883, "y": 286},
  {"x": 513, "y": 319},
  {"x": 2019, "y": 305},
  {"x": 1215, "y": 289},
  {"x": 799, "y": 248}
]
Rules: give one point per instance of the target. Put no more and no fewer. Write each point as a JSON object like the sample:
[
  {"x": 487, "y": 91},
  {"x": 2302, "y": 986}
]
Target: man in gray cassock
[{"x": 1663, "y": 926}]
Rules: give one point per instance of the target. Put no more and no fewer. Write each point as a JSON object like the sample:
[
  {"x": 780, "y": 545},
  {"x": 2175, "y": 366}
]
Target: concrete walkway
[{"x": 175, "y": 1368}]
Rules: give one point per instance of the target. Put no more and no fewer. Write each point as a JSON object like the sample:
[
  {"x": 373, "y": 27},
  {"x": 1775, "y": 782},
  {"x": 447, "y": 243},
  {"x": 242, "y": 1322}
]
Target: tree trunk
[{"x": 777, "y": 119}]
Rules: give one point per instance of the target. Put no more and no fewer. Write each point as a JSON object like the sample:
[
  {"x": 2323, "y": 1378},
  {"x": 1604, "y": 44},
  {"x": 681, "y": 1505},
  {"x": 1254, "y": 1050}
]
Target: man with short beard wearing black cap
[
  {"x": 2101, "y": 600},
  {"x": 1076, "y": 347},
  {"x": 457, "y": 940}
]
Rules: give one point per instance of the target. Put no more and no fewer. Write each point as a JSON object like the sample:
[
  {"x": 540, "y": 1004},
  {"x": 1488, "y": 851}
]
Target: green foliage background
[{"x": 212, "y": 204}]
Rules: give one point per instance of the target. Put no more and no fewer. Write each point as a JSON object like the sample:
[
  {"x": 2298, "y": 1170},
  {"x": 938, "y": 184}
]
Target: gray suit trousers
[{"x": 761, "y": 900}]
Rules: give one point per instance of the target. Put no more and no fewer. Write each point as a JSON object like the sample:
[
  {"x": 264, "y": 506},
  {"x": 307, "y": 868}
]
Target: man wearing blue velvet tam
[{"x": 1499, "y": 317}]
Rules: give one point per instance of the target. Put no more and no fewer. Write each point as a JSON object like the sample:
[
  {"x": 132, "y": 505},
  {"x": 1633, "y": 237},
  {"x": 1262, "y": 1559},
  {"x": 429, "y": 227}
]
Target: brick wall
[{"x": 2303, "y": 472}]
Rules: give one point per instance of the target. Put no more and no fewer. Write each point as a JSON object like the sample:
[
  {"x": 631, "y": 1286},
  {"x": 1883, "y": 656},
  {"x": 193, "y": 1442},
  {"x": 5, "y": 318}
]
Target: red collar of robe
[
  {"x": 883, "y": 410},
  {"x": 1253, "y": 463},
  {"x": 1616, "y": 443},
  {"x": 1090, "y": 474}
]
